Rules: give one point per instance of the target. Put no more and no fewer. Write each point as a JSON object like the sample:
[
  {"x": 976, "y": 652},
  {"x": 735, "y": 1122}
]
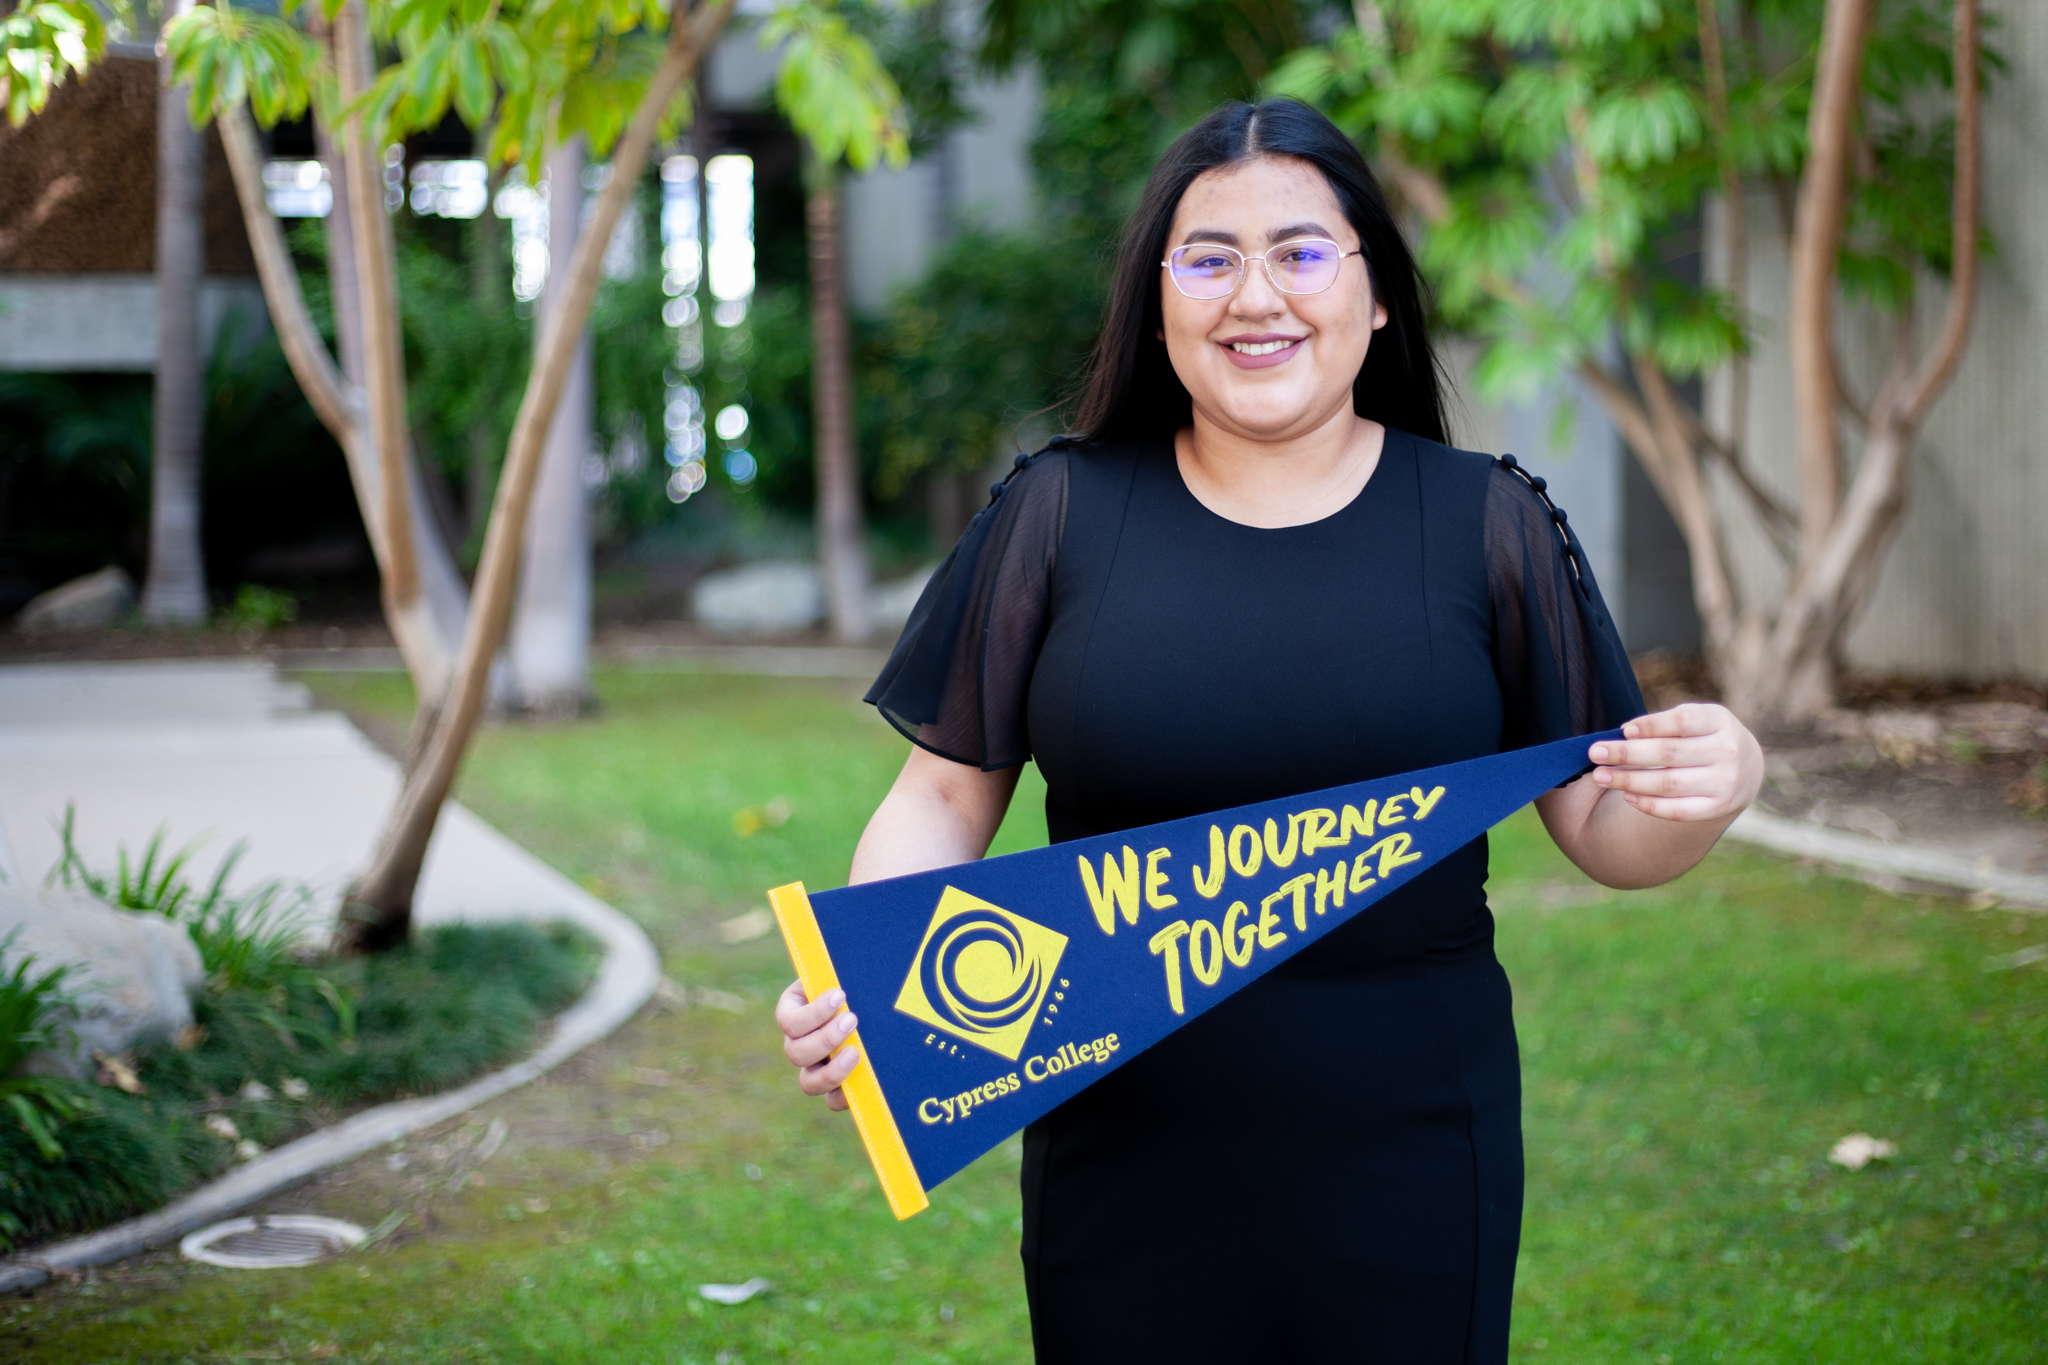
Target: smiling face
[{"x": 1262, "y": 364}]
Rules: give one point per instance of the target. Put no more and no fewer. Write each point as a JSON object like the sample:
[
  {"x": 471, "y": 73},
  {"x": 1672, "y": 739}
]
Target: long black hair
[{"x": 1132, "y": 390}]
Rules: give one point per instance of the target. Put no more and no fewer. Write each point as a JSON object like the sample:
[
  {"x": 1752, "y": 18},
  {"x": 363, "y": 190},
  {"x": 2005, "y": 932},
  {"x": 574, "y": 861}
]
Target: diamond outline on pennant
[{"x": 1041, "y": 948}]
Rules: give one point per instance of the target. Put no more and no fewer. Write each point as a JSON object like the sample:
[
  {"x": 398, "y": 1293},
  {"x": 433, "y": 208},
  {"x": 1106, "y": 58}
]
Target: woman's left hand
[{"x": 1693, "y": 762}]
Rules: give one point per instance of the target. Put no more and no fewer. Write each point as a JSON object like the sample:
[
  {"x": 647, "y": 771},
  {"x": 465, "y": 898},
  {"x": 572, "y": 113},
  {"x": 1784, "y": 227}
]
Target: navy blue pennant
[{"x": 990, "y": 992}]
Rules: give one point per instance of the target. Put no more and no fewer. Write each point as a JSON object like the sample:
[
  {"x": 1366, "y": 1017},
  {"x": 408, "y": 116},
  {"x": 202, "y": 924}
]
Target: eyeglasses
[{"x": 1209, "y": 270}]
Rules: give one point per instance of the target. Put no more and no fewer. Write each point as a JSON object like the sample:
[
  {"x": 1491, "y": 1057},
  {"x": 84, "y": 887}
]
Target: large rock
[
  {"x": 133, "y": 973},
  {"x": 775, "y": 598},
  {"x": 88, "y": 603}
]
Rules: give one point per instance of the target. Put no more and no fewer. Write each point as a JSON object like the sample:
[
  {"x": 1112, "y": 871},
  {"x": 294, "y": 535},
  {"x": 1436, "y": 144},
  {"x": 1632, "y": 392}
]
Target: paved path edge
[
  {"x": 1873, "y": 858},
  {"x": 628, "y": 977}
]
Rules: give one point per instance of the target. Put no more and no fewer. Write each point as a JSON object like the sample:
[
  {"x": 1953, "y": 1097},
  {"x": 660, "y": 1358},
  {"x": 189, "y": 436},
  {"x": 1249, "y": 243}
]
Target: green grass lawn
[{"x": 1691, "y": 1054}]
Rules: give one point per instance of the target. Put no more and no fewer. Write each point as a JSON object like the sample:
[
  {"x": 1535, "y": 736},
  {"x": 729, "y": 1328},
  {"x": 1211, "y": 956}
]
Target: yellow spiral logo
[{"x": 981, "y": 973}]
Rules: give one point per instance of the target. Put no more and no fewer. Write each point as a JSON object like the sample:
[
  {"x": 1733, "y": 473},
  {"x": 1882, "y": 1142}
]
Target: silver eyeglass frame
[{"x": 1244, "y": 261}]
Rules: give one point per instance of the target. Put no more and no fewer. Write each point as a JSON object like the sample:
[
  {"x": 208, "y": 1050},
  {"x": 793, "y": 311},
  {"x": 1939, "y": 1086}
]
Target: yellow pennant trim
[{"x": 863, "y": 1088}]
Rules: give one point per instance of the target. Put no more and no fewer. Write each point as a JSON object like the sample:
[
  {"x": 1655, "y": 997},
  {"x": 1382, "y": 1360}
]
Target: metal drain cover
[{"x": 270, "y": 1243}]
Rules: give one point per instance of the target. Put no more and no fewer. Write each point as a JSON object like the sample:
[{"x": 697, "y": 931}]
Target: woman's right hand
[{"x": 811, "y": 1029}]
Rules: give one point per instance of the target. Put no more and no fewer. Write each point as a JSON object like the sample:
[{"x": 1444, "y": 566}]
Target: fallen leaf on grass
[
  {"x": 1858, "y": 1150},
  {"x": 119, "y": 1072},
  {"x": 753, "y": 819},
  {"x": 2025, "y": 957},
  {"x": 748, "y": 927},
  {"x": 734, "y": 1293}
]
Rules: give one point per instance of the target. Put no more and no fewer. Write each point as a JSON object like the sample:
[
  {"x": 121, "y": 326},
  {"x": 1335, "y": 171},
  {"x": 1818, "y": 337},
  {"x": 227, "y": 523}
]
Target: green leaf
[
  {"x": 227, "y": 56},
  {"x": 41, "y": 44},
  {"x": 834, "y": 89},
  {"x": 1642, "y": 125},
  {"x": 474, "y": 91}
]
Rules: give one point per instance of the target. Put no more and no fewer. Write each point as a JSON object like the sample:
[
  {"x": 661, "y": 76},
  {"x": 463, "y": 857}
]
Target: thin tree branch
[
  {"x": 1777, "y": 518},
  {"x": 383, "y": 354},
  {"x": 1735, "y": 211},
  {"x": 1713, "y": 591},
  {"x": 337, "y": 409},
  {"x": 1845, "y": 397},
  {"x": 1940, "y": 366},
  {"x": 1632, "y": 420},
  {"x": 1816, "y": 243}
]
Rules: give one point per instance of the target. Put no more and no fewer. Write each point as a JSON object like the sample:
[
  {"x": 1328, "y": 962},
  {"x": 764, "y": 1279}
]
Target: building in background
[{"x": 78, "y": 229}]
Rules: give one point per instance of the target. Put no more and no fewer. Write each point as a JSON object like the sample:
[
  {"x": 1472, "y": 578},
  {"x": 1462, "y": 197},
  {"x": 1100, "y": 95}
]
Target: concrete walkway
[
  {"x": 221, "y": 751},
  {"x": 218, "y": 751}
]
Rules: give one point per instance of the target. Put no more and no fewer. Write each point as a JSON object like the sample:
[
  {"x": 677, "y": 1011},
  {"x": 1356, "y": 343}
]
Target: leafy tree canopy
[{"x": 1552, "y": 148}]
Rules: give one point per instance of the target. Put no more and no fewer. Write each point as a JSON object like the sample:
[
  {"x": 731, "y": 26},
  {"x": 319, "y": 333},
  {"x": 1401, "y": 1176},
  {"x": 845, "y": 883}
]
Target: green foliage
[
  {"x": 419, "y": 1019},
  {"x": 40, "y": 44},
  {"x": 1123, "y": 78},
  {"x": 994, "y": 333},
  {"x": 530, "y": 71},
  {"x": 74, "y": 473},
  {"x": 259, "y": 608},
  {"x": 631, "y": 350},
  {"x": 33, "y": 1006},
  {"x": 997, "y": 330},
  {"x": 316, "y": 1037},
  {"x": 834, "y": 89},
  {"x": 917, "y": 47},
  {"x": 126, "y": 1155},
  {"x": 228, "y": 57},
  {"x": 1580, "y": 134}
]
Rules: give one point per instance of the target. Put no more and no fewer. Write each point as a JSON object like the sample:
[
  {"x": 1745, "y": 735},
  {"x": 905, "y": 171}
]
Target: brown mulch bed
[{"x": 1960, "y": 765}]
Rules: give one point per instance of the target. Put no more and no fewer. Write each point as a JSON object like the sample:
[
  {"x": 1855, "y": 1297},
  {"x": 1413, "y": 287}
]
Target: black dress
[{"x": 1356, "y": 1194}]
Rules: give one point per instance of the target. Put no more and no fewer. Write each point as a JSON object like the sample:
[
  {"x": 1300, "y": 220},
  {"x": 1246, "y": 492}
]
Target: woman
[{"x": 1262, "y": 573}]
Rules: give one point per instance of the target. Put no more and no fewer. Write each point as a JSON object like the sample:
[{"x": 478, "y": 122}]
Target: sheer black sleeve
[
  {"x": 1559, "y": 658},
  {"x": 957, "y": 680}
]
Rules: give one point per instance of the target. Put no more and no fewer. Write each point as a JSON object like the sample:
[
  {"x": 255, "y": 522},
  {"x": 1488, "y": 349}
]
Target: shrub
[
  {"x": 285, "y": 1041},
  {"x": 259, "y": 608},
  {"x": 32, "y": 1008},
  {"x": 245, "y": 940}
]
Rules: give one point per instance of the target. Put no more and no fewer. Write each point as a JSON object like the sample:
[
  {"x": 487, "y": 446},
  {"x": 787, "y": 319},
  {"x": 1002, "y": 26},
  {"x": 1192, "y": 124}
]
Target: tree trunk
[
  {"x": 1777, "y": 667},
  {"x": 430, "y": 650},
  {"x": 1791, "y": 676},
  {"x": 377, "y": 912},
  {"x": 400, "y": 498},
  {"x": 487, "y": 284},
  {"x": 429, "y": 654},
  {"x": 339, "y": 225},
  {"x": 842, "y": 540},
  {"x": 1816, "y": 244},
  {"x": 174, "y": 592},
  {"x": 550, "y": 645}
]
